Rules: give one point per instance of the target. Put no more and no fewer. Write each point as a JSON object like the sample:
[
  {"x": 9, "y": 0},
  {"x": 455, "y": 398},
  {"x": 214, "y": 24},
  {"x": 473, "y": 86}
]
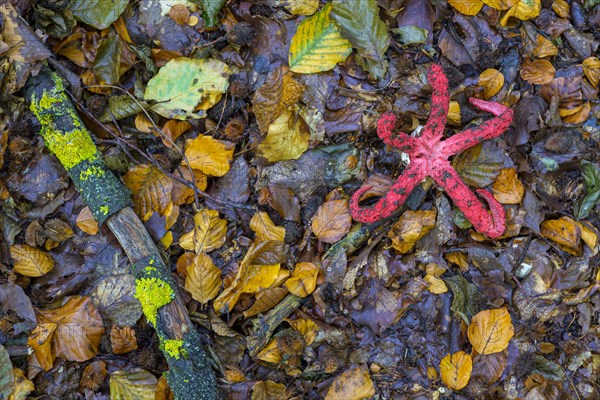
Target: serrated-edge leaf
[
  {"x": 359, "y": 22},
  {"x": 318, "y": 44}
]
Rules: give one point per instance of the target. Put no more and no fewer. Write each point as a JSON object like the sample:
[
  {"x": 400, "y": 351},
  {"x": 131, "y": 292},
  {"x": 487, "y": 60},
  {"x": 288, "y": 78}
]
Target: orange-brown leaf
[
  {"x": 507, "y": 187},
  {"x": 303, "y": 280},
  {"x": 86, "y": 221},
  {"x": 352, "y": 384},
  {"x": 410, "y": 227},
  {"x": 565, "y": 232},
  {"x": 203, "y": 278},
  {"x": 455, "y": 370},
  {"x": 332, "y": 221},
  {"x": 150, "y": 188},
  {"x": 490, "y": 331},
  {"x": 209, "y": 155},
  {"x": 538, "y": 72},
  {"x": 30, "y": 261},
  {"x": 123, "y": 339}
]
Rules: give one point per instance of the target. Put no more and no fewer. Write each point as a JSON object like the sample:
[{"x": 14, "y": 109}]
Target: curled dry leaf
[
  {"x": 507, "y": 187},
  {"x": 565, "y": 232},
  {"x": 455, "y": 370},
  {"x": 269, "y": 390},
  {"x": 208, "y": 234},
  {"x": 591, "y": 69},
  {"x": 332, "y": 221},
  {"x": 123, "y": 339},
  {"x": 491, "y": 80},
  {"x": 209, "y": 155},
  {"x": 151, "y": 189},
  {"x": 265, "y": 229},
  {"x": 467, "y": 7},
  {"x": 303, "y": 280},
  {"x": 490, "y": 331},
  {"x": 203, "y": 278},
  {"x": 352, "y": 384},
  {"x": 86, "y": 221},
  {"x": 537, "y": 72},
  {"x": 410, "y": 227},
  {"x": 30, "y": 261}
]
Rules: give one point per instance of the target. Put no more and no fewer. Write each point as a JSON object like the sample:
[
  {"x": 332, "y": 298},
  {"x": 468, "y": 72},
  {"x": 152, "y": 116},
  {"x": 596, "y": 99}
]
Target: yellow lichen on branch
[
  {"x": 153, "y": 293},
  {"x": 173, "y": 348}
]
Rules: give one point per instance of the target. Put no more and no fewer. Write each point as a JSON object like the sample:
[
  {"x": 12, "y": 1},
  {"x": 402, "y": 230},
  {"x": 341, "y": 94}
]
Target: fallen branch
[{"x": 189, "y": 375}]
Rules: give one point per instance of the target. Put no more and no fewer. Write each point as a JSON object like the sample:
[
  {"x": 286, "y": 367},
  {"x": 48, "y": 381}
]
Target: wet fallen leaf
[
  {"x": 151, "y": 189},
  {"x": 30, "y": 261},
  {"x": 537, "y": 72},
  {"x": 203, "y": 278},
  {"x": 211, "y": 156},
  {"x": 523, "y": 10},
  {"x": 303, "y": 280},
  {"x": 287, "y": 138},
  {"x": 332, "y": 221},
  {"x": 172, "y": 129},
  {"x": 455, "y": 370},
  {"x": 269, "y": 390},
  {"x": 97, "y": 13},
  {"x": 270, "y": 353},
  {"x": 208, "y": 234},
  {"x": 353, "y": 384},
  {"x": 318, "y": 44},
  {"x": 265, "y": 229},
  {"x": 86, "y": 221},
  {"x": 113, "y": 296},
  {"x": 410, "y": 227},
  {"x": 186, "y": 88},
  {"x": 480, "y": 165},
  {"x": 591, "y": 69},
  {"x": 135, "y": 384},
  {"x": 490, "y": 331},
  {"x": 467, "y": 7},
  {"x": 565, "y": 232},
  {"x": 40, "y": 341},
  {"x": 22, "y": 386},
  {"x": 123, "y": 339},
  {"x": 454, "y": 117},
  {"x": 491, "y": 80},
  {"x": 544, "y": 48},
  {"x": 507, "y": 187}
]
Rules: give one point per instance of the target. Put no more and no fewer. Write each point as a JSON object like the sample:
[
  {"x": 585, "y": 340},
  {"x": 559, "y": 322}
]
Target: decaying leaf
[
  {"x": 208, "y": 234},
  {"x": 303, "y": 280},
  {"x": 287, "y": 138},
  {"x": 410, "y": 227},
  {"x": 135, "y": 384},
  {"x": 507, "y": 187},
  {"x": 265, "y": 229},
  {"x": 565, "y": 232},
  {"x": 123, "y": 339},
  {"x": 151, "y": 189},
  {"x": 490, "y": 331},
  {"x": 352, "y": 384},
  {"x": 538, "y": 72},
  {"x": 455, "y": 370},
  {"x": 203, "y": 278},
  {"x": 269, "y": 390},
  {"x": 332, "y": 221},
  {"x": 30, "y": 261},
  {"x": 7, "y": 378},
  {"x": 307, "y": 328},
  {"x": 93, "y": 375}
]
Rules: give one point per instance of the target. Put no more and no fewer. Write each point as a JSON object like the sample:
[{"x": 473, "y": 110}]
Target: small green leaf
[
  {"x": 98, "y": 13},
  {"x": 108, "y": 59},
  {"x": 211, "y": 11},
  {"x": 360, "y": 23},
  {"x": 591, "y": 177},
  {"x": 186, "y": 88},
  {"x": 121, "y": 106},
  {"x": 464, "y": 300},
  {"x": 411, "y": 34}
]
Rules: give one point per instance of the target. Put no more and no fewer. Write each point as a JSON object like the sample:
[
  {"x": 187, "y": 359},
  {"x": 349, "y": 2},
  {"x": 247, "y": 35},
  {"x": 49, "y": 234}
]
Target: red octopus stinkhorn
[{"x": 429, "y": 157}]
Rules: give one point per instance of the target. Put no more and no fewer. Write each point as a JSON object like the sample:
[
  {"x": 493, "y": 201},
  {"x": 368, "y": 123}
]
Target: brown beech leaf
[
  {"x": 123, "y": 339},
  {"x": 410, "y": 227},
  {"x": 491, "y": 80},
  {"x": 179, "y": 13},
  {"x": 332, "y": 221},
  {"x": 173, "y": 129},
  {"x": 565, "y": 232},
  {"x": 454, "y": 117},
  {"x": 151, "y": 189},
  {"x": 490, "y": 331},
  {"x": 93, "y": 375},
  {"x": 40, "y": 341},
  {"x": 208, "y": 234},
  {"x": 135, "y": 384},
  {"x": 30, "y": 261},
  {"x": 538, "y": 72},
  {"x": 211, "y": 156},
  {"x": 303, "y": 280},
  {"x": 507, "y": 187},
  {"x": 203, "y": 278},
  {"x": 455, "y": 370},
  {"x": 544, "y": 48},
  {"x": 265, "y": 229},
  {"x": 86, "y": 221},
  {"x": 523, "y": 10},
  {"x": 78, "y": 328},
  {"x": 489, "y": 367},
  {"x": 266, "y": 300},
  {"x": 353, "y": 384},
  {"x": 269, "y": 390},
  {"x": 591, "y": 69}
]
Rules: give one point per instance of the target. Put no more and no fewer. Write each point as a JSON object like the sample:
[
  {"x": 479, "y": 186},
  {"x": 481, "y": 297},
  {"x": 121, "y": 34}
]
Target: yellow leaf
[
  {"x": 307, "y": 328},
  {"x": 332, "y": 221},
  {"x": 287, "y": 138},
  {"x": 318, "y": 44},
  {"x": 132, "y": 384},
  {"x": 460, "y": 259},
  {"x": 21, "y": 387},
  {"x": 500, "y": 4},
  {"x": 301, "y": 7},
  {"x": 303, "y": 280},
  {"x": 507, "y": 187},
  {"x": 538, "y": 72},
  {"x": 270, "y": 353},
  {"x": 208, "y": 234},
  {"x": 589, "y": 237},
  {"x": 265, "y": 229},
  {"x": 454, "y": 117},
  {"x": 203, "y": 278},
  {"x": 410, "y": 227},
  {"x": 150, "y": 188},
  {"x": 209, "y": 155},
  {"x": 86, "y": 221},
  {"x": 544, "y": 48},
  {"x": 30, "y": 261},
  {"x": 575, "y": 115},
  {"x": 456, "y": 369},
  {"x": 523, "y": 10},
  {"x": 352, "y": 384},
  {"x": 466, "y": 7},
  {"x": 561, "y": 8},
  {"x": 433, "y": 273},
  {"x": 490, "y": 331},
  {"x": 234, "y": 376},
  {"x": 591, "y": 69},
  {"x": 565, "y": 232},
  {"x": 269, "y": 390},
  {"x": 491, "y": 80},
  {"x": 40, "y": 341}
]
